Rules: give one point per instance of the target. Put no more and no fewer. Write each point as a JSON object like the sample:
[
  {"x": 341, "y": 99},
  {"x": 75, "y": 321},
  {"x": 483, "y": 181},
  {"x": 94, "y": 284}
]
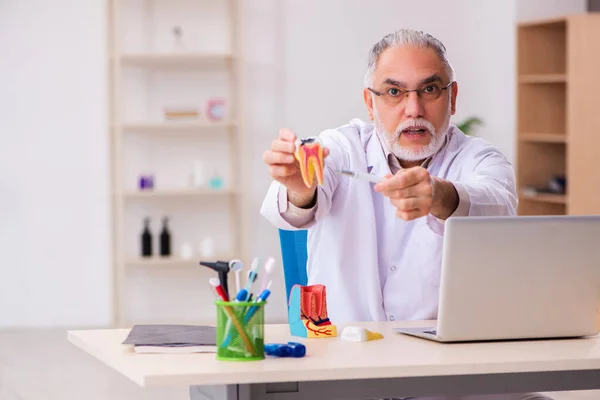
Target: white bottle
[
  {"x": 199, "y": 174},
  {"x": 207, "y": 248},
  {"x": 186, "y": 251}
]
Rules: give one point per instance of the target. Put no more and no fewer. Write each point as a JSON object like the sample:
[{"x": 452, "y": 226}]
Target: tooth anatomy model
[{"x": 309, "y": 154}]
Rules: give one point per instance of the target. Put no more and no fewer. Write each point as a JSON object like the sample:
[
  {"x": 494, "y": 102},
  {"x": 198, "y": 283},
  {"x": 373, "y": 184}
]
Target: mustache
[{"x": 414, "y": 122}]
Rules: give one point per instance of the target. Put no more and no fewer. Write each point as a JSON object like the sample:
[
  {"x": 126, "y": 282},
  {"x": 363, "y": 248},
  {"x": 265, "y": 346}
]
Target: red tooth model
[{"x": 309, "y": 153}]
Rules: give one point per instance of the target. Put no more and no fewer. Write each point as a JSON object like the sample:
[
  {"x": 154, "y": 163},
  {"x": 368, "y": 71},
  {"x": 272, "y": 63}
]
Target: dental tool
[{"x": 361, "y": 175}]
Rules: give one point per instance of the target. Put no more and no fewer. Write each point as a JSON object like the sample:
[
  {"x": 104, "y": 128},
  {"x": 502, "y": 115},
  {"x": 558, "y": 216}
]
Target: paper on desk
[{"x": 172, "y": 335}]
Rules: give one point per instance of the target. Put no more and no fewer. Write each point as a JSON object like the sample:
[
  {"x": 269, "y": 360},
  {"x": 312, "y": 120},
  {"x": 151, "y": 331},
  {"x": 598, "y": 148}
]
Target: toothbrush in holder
[
  {"x": 251, "y": 311},
  {"x": 260, "y": 299},
  {"x": 252, "y": 275},
  {"x": 267, "y": 271}
]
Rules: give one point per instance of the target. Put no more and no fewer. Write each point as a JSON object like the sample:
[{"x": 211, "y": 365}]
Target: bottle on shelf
[
  {"x": 146, "y": 182},
  {"x": 207, "y": 248},
  {"x": 146, "y": 239},
  {"x": 165, "y": 239},
  {"x": 216, "y": 182},
  {"x": 186, "y": 251},
  {"x": 199, "y": 174}
]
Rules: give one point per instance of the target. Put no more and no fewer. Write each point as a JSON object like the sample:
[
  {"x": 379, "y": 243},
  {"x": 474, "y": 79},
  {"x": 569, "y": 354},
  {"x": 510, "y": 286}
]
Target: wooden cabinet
[{"x": 558, "y": 114}]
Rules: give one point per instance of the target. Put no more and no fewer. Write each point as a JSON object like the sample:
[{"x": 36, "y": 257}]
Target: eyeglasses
[{"x": 394, "y": 96}]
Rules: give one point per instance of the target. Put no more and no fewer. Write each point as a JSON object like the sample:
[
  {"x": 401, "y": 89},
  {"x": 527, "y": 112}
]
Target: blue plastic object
[
  {"x": 291, "y": 349},
  {"x": 293, "y": 256}
]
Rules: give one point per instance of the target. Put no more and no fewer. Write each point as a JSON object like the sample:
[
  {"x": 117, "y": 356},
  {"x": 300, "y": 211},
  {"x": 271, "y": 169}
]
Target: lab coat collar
[{"x": 377, "y": 163}]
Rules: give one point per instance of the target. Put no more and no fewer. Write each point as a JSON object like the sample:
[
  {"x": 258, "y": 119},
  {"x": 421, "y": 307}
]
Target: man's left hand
[{"x": 410, "y": 190}]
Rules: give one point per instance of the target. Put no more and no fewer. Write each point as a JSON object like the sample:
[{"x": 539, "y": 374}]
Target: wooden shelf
[
  {"x": 543, "y": 78},
  {"x": 173, "y": 59},
  {"x": 179, "y": 126},
  {"x": 556, "y": 113},
  {"x": 178, "y": 193},
  {"x": 544, "y": 198},
  {"x": 542, "y": 108},
  {"x": 543, "y": 137},
  {"x": 157, "y": 261},
  {"x": 544, "y": 22}
]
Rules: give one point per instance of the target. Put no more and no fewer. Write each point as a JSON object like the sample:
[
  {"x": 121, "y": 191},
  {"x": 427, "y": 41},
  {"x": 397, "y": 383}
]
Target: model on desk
[{"x": 307, "y": 312}]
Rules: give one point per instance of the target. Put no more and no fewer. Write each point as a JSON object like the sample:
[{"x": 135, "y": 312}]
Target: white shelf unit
[
  {"x": 196, "y": 127},
  {"x": 141, "y": 194},
  {"x": 168, "y": 261},
  {"x": 153, "y": 69},
  {"x": 174, "y": 59}
]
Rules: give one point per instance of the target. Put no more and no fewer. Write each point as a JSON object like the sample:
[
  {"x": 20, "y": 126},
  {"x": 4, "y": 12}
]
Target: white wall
[
  {"x": 53, "y": 164},
  {"x": 53, "y": 120},
  {"x": 304, "y": 69},
  {"x": 326, "y": 64}
]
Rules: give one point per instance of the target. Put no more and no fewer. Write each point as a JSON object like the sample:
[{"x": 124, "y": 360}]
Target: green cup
[{"x": 240, "y": 331}]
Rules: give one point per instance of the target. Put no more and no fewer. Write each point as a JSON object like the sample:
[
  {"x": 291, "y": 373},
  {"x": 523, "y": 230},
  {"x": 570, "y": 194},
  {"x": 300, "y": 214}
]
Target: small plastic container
[{"x": 240, "y": 331}]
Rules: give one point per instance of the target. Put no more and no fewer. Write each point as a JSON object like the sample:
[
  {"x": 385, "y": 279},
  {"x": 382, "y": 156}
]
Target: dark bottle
[
  {"x": 165, "y": 239},
  {"x": 146, "y": 239}
]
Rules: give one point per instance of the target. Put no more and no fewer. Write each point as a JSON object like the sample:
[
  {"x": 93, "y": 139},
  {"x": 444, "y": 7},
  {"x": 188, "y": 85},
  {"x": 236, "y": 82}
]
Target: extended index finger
[{"x": 403, "y": 179}]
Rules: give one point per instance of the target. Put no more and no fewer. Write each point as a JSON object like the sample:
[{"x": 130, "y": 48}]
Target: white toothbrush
[{"x": 268, "y": 268}]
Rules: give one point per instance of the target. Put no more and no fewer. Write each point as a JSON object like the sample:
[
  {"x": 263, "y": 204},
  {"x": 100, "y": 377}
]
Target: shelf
[
  {"x": 542, "y": 108},
  {"x": 178, "y": 193},
  {"x": 174, "y": 59},
  {"x": 157, "y": 261},
  {"x": 542, "y": 50},
  {"x": 543, "y": 137},
  {"x": 543, "y": 78},
  {"x": 179, "y": 126},
  {"x": 159, "y": 122},
  {"x": 544, "y": 198},
  {"x": 559, "y": 22}
]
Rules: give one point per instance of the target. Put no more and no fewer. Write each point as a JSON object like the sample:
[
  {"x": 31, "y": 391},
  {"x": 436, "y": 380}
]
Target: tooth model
[{"x": 309, "y": 154}]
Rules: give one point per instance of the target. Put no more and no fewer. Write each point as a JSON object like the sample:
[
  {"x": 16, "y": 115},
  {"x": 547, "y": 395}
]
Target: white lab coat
[{"x": 375, "y": 265}]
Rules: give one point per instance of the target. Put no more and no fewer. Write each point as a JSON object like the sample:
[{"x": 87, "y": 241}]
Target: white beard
[{"x": 412, "y": 154}]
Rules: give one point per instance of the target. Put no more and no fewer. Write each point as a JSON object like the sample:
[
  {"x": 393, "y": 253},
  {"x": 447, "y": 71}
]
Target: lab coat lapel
[
  {"x": 376, "y": 162},
  {"x": 378, "y": 166},
  {"x": 367, "y": 279}
]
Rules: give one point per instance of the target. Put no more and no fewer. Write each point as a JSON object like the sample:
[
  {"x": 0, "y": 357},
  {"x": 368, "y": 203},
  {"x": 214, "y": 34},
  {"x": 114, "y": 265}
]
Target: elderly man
[{"x": 378, "y": 247}]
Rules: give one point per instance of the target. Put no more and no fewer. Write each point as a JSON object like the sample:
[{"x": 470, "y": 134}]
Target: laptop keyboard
[{"x": 431, "y": 332}]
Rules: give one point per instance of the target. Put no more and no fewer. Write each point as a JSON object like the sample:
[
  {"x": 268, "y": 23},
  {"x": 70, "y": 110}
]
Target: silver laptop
[{"x": 524, "y": 277}]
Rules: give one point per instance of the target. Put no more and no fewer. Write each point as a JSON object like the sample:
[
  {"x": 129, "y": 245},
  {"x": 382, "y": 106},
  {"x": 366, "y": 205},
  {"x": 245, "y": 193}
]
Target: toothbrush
[
  {"x": 251, "y": 311},
  {"x": 252, "y": 274},
  {"x": 236, "y": 266},
  {"x": 260, "y": 299},
  {"x": 237, "y": 280},
  {"x": 268, "y": 268}
]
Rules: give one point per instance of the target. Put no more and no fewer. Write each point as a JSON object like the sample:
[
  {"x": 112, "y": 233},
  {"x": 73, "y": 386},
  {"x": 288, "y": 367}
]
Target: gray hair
[{"x": 406, "y": 37}]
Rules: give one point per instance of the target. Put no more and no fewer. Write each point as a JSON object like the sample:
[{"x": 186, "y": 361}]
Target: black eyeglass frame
[{"x": 406, "y": 92}]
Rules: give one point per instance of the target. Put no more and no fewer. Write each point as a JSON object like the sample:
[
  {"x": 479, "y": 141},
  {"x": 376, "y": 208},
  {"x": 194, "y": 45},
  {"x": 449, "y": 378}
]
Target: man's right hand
[{"x": 285, "y": 169}]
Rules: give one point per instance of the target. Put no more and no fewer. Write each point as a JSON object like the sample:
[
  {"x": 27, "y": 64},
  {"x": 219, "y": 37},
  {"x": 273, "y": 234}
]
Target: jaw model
[{"x": 309, "y": 154}]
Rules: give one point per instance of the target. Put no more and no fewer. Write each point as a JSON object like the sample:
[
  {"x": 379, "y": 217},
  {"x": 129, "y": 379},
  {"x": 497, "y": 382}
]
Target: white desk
[{"x": 395, "y": 366}]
